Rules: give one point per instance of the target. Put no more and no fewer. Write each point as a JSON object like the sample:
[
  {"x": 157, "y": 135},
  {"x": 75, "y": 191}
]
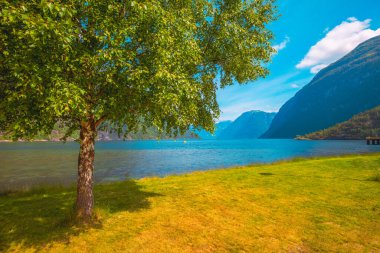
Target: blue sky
[{"x": 309, "y": 35}]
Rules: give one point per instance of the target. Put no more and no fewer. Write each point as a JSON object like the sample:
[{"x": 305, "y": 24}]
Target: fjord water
[{"x": 26, "y": 164}]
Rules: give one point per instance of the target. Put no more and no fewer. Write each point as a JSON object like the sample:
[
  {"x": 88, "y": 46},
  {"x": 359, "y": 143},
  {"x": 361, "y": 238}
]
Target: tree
[{"x": 129, "y": 63}]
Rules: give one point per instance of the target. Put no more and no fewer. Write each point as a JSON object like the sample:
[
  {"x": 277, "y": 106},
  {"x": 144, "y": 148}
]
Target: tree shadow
[{"x": 40, "y": 216}]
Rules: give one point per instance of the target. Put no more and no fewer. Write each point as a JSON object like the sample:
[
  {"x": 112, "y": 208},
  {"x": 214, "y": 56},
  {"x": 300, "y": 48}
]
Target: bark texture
[{"x": 85, "y": 197}]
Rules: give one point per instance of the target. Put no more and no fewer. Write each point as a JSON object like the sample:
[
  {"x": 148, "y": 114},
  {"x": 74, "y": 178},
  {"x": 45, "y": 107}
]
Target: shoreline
[
  {"x": 179, "y": 139},
  {"x": 286, "y": 161}
]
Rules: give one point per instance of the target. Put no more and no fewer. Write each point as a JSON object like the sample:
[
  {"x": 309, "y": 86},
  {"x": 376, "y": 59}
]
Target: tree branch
[{"x": 100, "y": 120}]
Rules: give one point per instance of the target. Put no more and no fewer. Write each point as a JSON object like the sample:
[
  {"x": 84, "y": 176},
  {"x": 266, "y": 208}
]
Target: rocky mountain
[
  {"x": 347, "y": 87},
  {"x": 249, "y": 125},
  {"x": 359, "y": 127}
]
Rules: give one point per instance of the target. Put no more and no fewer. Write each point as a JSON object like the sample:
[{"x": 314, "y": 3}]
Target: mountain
[
  {"x": 347, "y": 87},
  {"x": 104, "y": 135},
  {"x": 249, "y": 125},
  {"x": 219, "y": 127},
  {"x": 358, "y": 127}
]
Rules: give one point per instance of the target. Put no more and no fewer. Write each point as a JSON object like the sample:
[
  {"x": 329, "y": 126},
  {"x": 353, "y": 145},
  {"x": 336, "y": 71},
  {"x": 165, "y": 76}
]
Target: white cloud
[
  {"x": 338, "y": 42},
  {"x": 352, "y": 19},
  {"x": 294, "y": 86},
  {"x": 318, "y": 68},
  {"x": 282, "y": 45}
]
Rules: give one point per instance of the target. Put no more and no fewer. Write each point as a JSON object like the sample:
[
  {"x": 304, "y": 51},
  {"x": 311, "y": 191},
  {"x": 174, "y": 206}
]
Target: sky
[{"x": 309, "y": 35}]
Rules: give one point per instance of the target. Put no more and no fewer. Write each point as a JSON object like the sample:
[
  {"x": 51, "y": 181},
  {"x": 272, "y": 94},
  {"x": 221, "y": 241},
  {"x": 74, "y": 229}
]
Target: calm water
[{"x": 25, "y": 164}]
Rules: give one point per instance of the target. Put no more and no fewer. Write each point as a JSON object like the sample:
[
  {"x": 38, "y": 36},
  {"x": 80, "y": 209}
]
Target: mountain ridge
[
  {"x": 249, "y": 125},
  {"x": 339, "y": 91}
]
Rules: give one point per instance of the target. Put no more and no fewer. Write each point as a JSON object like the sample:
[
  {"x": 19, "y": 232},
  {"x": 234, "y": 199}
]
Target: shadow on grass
[
  {"x": 328, "y": 177},
  {"x": 375, "y": 178},
  {"x": 266, "y": 174},
  {"x": 37, "y": 217}
]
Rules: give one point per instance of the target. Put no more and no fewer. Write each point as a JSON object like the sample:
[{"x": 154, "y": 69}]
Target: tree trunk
[{"x": 85, "y": 197}]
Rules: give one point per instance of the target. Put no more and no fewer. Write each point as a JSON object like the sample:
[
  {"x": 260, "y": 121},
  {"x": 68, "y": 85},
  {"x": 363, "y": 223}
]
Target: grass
[{"x": 303, "y": 205}]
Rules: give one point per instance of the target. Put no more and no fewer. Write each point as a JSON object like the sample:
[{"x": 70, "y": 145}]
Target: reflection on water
[{"x": 26, "y": 164}]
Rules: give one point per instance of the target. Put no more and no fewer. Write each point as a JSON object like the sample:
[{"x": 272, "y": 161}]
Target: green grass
[{"x": 303, "y": 205}]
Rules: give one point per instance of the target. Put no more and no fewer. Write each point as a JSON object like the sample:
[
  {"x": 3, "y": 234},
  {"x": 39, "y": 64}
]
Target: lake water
[{"x": 26, "y": 164}]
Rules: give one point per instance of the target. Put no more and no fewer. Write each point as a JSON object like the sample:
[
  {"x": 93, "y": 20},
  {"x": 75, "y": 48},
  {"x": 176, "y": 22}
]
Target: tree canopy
[
  {"x": 151, "y": 63},
  {"x": 129, "y": 63}
]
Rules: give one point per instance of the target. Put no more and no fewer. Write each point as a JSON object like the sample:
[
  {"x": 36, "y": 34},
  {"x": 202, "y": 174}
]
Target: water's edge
[{"x": 24, "y": 165}]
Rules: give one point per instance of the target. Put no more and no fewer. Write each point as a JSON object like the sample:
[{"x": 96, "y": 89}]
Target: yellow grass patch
[{"x": 317, "y": 205}]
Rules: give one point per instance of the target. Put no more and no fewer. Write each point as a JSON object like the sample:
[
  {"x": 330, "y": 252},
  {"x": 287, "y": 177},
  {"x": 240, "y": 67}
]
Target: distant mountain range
[
  {"x": 359, "y": 127},
  {"x": 219, "y": 127},
  {"x": 249, "y": 125},
  {"x": 103, "y": 135},
  {"x": 345, "y": 88}
]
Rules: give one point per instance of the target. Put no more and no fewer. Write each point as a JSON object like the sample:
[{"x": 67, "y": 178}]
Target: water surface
[{"x": 25, "y": 164}]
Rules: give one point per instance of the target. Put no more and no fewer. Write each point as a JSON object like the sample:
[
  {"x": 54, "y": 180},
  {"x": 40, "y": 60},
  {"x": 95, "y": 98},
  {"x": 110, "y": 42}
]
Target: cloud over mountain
[{"x": 337, "y": 42}]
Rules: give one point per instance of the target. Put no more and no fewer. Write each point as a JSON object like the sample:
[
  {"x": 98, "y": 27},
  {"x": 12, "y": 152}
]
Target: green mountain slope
[
  {"x": 358, "y": 127},
  {"x": 341, "y": 90}
]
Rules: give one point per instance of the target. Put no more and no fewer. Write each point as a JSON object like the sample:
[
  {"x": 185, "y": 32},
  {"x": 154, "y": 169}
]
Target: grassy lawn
[{"x": 316, "y": 205}]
